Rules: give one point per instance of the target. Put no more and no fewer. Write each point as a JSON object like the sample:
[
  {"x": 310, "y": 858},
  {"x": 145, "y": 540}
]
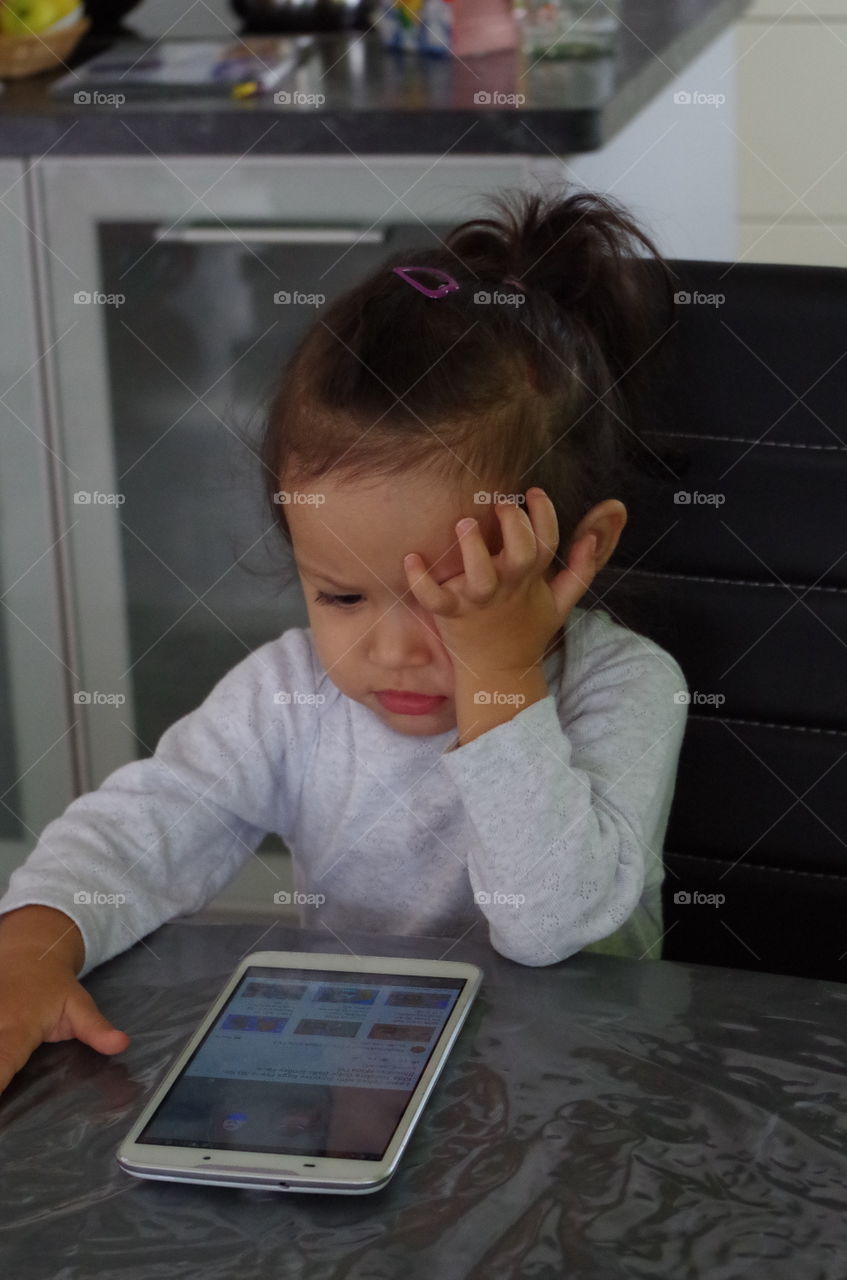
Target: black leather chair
[{"x": 755, "y": 581}]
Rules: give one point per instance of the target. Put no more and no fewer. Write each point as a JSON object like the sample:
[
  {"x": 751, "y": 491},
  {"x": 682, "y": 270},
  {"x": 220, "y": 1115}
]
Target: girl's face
[{"x": 349, "y": 541}]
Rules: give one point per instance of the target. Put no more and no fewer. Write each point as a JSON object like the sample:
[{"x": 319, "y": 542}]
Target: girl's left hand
[{"x": 501, "y": 613}]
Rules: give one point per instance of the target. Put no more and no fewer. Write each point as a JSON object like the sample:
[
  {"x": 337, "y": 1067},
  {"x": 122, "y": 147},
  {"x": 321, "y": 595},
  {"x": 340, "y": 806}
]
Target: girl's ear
[{"x": 606, "y": 520}]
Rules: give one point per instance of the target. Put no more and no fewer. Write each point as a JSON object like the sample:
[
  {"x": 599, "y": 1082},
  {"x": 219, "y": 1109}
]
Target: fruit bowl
[{"x": 42, "y": 49}]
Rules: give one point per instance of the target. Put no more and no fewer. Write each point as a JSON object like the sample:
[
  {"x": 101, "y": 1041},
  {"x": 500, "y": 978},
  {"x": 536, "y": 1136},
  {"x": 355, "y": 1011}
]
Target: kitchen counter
[{"x": 379, "y": 101}]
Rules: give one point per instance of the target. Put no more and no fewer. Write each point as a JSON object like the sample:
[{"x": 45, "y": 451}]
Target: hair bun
[{"x": 583, "y": 249}]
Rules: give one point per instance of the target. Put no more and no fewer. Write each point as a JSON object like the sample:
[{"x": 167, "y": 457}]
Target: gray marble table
[{"x": 598, "y": 1118}]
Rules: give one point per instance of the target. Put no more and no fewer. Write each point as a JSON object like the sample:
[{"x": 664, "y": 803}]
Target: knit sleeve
[{"x": 570, "y": 801}]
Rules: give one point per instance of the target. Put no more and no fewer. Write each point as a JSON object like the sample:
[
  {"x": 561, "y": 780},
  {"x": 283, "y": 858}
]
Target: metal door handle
[{"x": 205, "y": 233}]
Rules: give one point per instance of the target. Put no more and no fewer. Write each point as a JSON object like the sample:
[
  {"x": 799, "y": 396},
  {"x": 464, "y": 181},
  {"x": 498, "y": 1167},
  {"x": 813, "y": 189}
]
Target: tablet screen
[{"x": 308, "y": 1062}]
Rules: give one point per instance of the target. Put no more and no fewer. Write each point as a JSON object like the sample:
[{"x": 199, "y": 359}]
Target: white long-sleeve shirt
[{"x": 547, "y": 829}]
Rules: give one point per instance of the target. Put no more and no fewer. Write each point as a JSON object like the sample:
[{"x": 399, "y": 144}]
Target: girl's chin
[
  {"x": 422, "y": 728},
  {"x": 440, "y": 720}
]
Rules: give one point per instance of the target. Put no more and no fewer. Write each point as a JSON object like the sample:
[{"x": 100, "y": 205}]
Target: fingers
[
  {"x": 545, "y": 526},
  {"x": 90, "y": 1026},
  {"x": 530, "y": 537},
  {"x": 571, "y": 584},
  {"x": 429, "y": 594},
  {"x": 529, "y": 540},
  {"x": 43, "y": 1005},
  {"x": 19, "y": 1042},
  {"x": 480, "y": 574}
]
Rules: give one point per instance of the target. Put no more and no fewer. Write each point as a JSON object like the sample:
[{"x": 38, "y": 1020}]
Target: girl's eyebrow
[{"x": 314, "y": 573}]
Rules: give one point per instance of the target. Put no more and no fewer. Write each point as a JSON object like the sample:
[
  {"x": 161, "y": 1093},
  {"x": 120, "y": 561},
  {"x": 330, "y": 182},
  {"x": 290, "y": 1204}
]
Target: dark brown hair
[{"x": 548, "y": 392}]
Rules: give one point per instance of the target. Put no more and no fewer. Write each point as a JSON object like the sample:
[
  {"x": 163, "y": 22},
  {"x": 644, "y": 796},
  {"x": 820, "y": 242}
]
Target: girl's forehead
[{"x": 374, "y": 526}]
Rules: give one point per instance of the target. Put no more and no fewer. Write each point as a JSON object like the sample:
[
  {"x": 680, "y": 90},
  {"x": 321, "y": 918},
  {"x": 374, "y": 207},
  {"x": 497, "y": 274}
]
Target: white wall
[
  {"x": 792, "y": 114},
  {"x": 675, "y": 164}
]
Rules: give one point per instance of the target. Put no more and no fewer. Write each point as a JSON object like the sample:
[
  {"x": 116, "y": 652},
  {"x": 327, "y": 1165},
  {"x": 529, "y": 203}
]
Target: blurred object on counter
[
  {"x": 417, "y": 26},
  {"x": 174, "y": 68},
  {"x": 568, "y": 28},
  {"x": 443, "y": 27},
  {"x": 105, "y": 15},
  {"x": 483, "y": 26},
  {"x": 26, "y": 17},
  {"x": 38, "y": 35},
  {"x": 303, "y": 15}
]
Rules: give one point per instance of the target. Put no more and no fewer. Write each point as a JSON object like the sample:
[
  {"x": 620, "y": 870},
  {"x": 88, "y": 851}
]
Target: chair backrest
[{"x": 753, "y": 559}]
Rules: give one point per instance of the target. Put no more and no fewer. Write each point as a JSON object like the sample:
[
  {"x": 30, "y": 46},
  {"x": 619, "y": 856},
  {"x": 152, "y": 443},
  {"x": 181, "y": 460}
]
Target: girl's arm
[
  {"x": 571, "y": 802},
  {"x": 162, "y": 836},
  {"x": 39, "y": 932}
]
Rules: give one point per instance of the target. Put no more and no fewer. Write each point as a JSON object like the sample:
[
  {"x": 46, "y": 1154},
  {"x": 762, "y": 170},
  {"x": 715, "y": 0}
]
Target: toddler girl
[{"x": 453, "y": 746}]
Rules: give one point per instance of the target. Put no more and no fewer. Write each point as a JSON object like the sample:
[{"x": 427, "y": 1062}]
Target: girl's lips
[{"x": 409, "y": 704}]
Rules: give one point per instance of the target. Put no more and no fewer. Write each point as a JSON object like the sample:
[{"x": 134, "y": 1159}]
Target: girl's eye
[{"x": 341, "y": 602}]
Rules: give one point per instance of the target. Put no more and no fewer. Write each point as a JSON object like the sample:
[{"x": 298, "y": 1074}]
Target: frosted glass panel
[
  {"x": 193, "y": 355},
  {"x": 11, "y": 827}
]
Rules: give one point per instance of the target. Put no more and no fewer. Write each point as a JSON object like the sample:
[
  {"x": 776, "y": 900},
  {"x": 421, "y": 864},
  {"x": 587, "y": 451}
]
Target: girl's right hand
[{"x": 42, "y": 1001}]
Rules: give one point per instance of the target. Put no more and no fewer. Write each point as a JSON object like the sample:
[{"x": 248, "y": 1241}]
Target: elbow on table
[
  {"x": 538, "y": 946},
  {"x": 532, "y": 953}
]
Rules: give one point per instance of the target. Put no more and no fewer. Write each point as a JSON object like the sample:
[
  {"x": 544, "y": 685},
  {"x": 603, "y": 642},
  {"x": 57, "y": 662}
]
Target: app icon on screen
[{"x": 234, "y": 1121}]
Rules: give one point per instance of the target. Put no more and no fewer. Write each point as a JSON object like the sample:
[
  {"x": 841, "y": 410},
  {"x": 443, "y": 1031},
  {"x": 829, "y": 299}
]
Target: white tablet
[{"x": 308, "y": 1073}]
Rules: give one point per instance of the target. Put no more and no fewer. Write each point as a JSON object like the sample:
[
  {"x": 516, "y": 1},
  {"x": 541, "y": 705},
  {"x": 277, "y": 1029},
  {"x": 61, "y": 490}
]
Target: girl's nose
[{"x": 402, "y": 638}]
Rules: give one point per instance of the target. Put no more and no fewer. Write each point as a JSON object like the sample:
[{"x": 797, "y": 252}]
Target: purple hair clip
[{"x": 448, "y": 285}]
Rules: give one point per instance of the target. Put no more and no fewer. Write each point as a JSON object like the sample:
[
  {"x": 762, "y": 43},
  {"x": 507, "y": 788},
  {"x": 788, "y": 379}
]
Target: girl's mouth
[{"x": 409, "y": 704}]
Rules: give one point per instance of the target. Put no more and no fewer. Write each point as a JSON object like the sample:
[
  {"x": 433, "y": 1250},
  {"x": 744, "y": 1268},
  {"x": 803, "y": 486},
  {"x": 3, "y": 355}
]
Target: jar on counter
[{"x": 568, "y": 28}]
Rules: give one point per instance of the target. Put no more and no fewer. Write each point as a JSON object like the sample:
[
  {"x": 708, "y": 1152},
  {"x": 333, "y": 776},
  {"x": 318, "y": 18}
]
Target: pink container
[
  {"x": 444, "y": 27},
  {"x": 483, "y": 26}
]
